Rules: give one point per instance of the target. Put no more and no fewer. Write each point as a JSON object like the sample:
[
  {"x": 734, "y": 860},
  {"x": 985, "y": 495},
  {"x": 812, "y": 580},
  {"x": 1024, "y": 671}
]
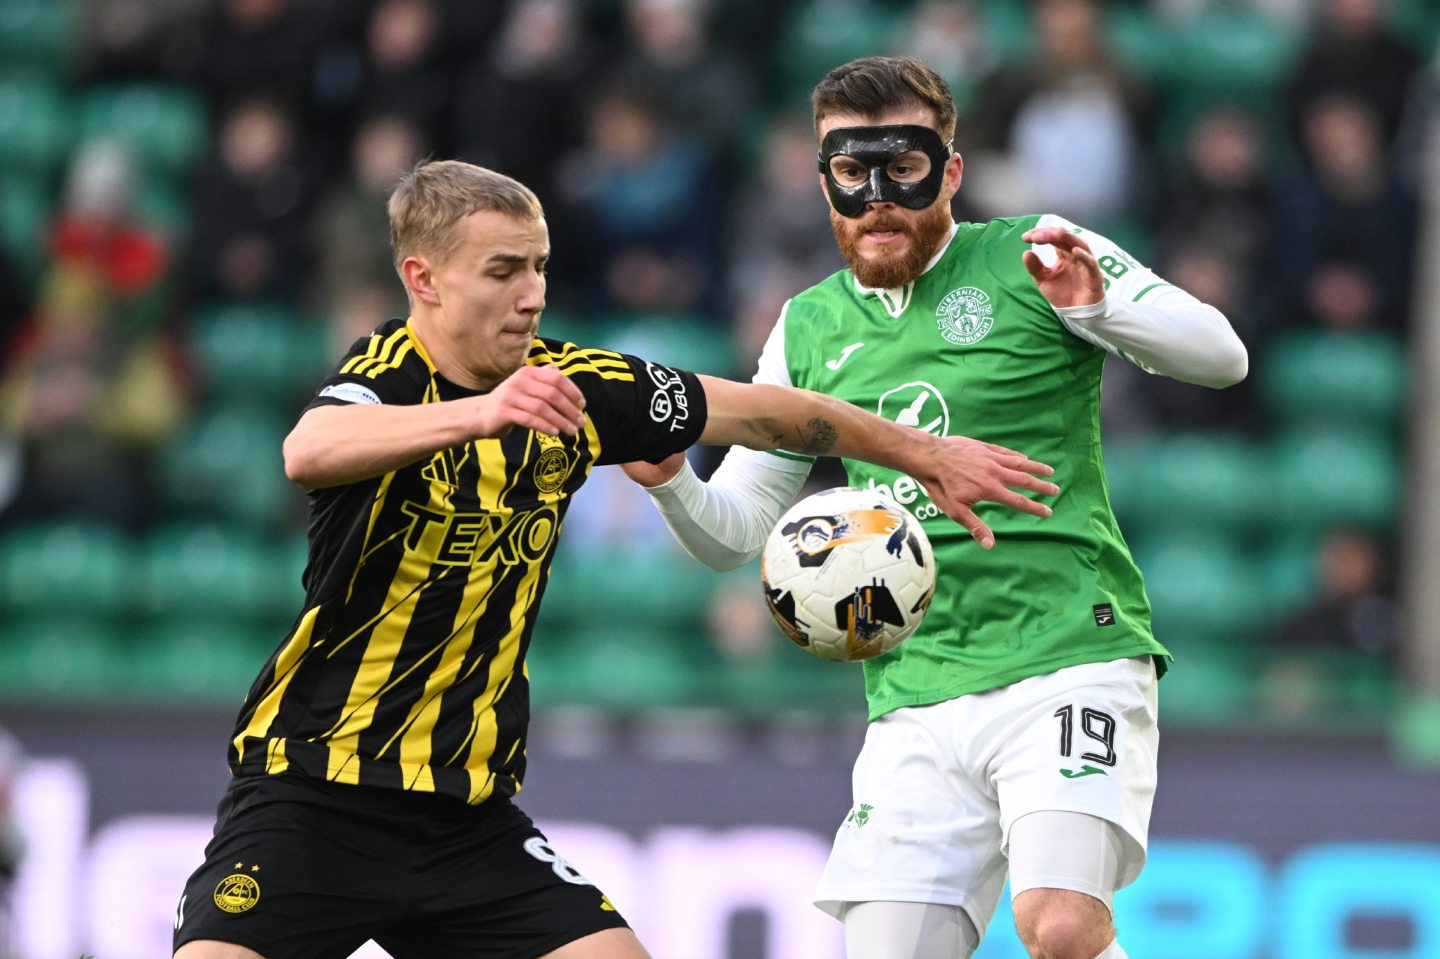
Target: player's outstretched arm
[
  {"x": 957, "y": 472},
  {"x": 334, "y": 445},
  {"x": 1140, "y": 317}
]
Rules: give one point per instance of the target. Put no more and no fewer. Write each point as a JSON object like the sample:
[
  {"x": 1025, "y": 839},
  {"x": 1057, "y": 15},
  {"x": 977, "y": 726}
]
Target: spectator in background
[
  {"x": 351, "y": 313},
  {"x": 1354, "y": 612},
  {"x": 243, "y": 46},
  {"x": 1069, "y": 121},
  {"x": 251, "y": 206},
  {"x": 778, "y": 235},
  {"x": 351, "y": 228},
  {"x": 700, "y": 88},
  {"x": 125, "y": 40},
  {"x": 1355, "y": 608},
  {"x": 1134, "y": 401},
  {"x": 97, "y": 232},
  {"x": 644, "y": 205},
  {"x": 537, "y": 76},
  {"x": 1349, "y": 220},
  {"x": 950, "y": 36},
  {"x": 404, "y": 71},
  {"x": 1220, "y": 194},
  {"x": 90, "y": 409},
  {"x": 1353, "y": 53},
  {"x": 92, "y": 386},
  {"x": 1295, "y": 14}
]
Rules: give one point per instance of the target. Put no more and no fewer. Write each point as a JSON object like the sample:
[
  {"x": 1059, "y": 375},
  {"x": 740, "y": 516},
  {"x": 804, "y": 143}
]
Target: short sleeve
[
  {"x": 377, "y": 369},
  {"x": 641, "y": 410}
]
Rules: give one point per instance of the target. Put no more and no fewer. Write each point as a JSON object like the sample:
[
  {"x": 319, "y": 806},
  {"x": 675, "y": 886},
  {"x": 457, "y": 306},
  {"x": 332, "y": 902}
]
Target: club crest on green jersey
[{"x": 965, "y": 315}]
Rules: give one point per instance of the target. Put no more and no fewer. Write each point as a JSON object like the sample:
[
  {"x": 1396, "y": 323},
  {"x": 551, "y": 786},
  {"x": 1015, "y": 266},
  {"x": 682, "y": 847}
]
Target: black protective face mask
[{"x": 875, "y": 148}]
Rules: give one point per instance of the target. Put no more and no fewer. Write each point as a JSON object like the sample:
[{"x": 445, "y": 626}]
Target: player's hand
[
  {"x": 966, "y": 471},
  {"x": 1075, "y": 279},
  {"x": 654, "y": 474},
  {"x": 539, "y": 398}
]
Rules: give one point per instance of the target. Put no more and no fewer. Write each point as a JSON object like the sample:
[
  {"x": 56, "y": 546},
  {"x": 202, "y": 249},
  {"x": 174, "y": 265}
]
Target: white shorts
[{"x": 937, "y": 788}]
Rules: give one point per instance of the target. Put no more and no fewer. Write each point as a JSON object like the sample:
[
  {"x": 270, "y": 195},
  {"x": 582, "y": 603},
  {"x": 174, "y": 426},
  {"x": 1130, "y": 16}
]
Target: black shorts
[{"x": 303, "y": 869}]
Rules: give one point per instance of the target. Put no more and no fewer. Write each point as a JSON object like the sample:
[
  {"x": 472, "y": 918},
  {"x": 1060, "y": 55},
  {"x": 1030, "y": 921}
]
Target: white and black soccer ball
[{"x": 848, "y": 573}]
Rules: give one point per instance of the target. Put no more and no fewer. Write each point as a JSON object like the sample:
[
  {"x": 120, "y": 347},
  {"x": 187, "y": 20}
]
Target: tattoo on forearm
[{"x": 817, "y": 437}]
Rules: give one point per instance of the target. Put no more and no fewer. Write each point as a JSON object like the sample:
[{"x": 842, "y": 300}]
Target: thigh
[
  {"x": 606, "y": 944},
  {"x": 1067, "y": 850},
  {"x": 289, "y": 879},
  {"x": 500, "y": 890},
  {"x": 922, "y": 829},
  {"x": 1083, "y": 740},
  {"x": 908, "y": 930}
]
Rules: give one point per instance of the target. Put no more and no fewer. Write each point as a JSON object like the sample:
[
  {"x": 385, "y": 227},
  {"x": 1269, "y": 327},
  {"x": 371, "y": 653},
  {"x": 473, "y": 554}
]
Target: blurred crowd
[{"x": 194, "y": 225}]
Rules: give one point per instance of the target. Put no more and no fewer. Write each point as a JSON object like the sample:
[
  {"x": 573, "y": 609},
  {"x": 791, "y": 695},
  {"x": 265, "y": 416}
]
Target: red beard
[{"x": 927, "y": 232}]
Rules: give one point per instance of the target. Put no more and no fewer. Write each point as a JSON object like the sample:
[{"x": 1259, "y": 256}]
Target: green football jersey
[{"x": 972, "y": 348}]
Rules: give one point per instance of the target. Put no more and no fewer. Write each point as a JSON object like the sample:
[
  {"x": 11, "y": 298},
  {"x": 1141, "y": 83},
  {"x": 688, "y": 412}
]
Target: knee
[{"x": 1061, "y": 931}]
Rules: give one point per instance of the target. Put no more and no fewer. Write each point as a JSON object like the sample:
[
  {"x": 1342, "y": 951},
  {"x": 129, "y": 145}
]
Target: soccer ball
[{"x": 848, "y": 573}]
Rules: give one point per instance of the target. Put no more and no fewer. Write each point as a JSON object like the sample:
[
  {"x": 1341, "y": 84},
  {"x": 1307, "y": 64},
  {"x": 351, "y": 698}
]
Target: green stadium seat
[
  {"x": 1005, "y": 25},
  {"x": 687, "y": 342},
  {"x": 1289, "y": 567},
  {"x": 1201, "y": 586},
  {"x": 1332, "y": 685},
  {"x": 787, "y": 679},
  {"x": 1320, "y": 477},
  {"x": 60, "y": 659},
  {"x": 1207, "y": 684},
  {"x": 167, "y": 125},
  {"x": 227, "y": 465},
  {"x": 580, "y": 330},
  {"x": 1149, "y": 45},
  {"x": 1324, "y": 379},
  {"x": 37, "y": 128},
  {"x": 161, "y": 204},
  {"x": 821, "y": 34},
  {"x": 224, "y": 570},
  {"x": 24, "y": 217},
  {"x": 660, "y": 590},
  {"x": 1418, "y": 21},
  {"x": 556, "y": 678},
  {"x": 264, "y": 353},
  {"x": 35, "y": 38},
  {"x": 198, "y": 660},
  {"x": 288, "y": 559},
  {"x": 69, "y": 567},
  {"x": 1187, "y": 482},
  {"x": 631, "y": 667},
  {"x": 1233, "y": 49}
]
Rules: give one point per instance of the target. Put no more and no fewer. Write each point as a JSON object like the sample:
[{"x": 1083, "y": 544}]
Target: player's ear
[
  {"x": 954, "y": 173},
  {"x": 419, "y": 280}
]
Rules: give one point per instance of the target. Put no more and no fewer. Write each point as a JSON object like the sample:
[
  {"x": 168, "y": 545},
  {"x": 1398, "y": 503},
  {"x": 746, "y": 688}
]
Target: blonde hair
[{"x": 430, "y": 199}]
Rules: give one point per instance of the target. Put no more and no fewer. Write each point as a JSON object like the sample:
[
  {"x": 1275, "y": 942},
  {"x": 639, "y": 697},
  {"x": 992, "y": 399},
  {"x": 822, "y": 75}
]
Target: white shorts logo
[{"x": 965, "y": 315}]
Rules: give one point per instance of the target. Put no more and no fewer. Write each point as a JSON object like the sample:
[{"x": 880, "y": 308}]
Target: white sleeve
[
  {"x": 724, "y": 522},
  {"x": 1158, "y": 327}
]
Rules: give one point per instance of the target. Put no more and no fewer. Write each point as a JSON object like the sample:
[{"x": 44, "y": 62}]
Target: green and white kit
[{"x": 972, "y": 348}]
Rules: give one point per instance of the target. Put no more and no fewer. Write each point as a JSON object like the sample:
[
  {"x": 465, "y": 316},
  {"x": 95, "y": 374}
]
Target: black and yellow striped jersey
[{"x": 405, "y": 667}]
